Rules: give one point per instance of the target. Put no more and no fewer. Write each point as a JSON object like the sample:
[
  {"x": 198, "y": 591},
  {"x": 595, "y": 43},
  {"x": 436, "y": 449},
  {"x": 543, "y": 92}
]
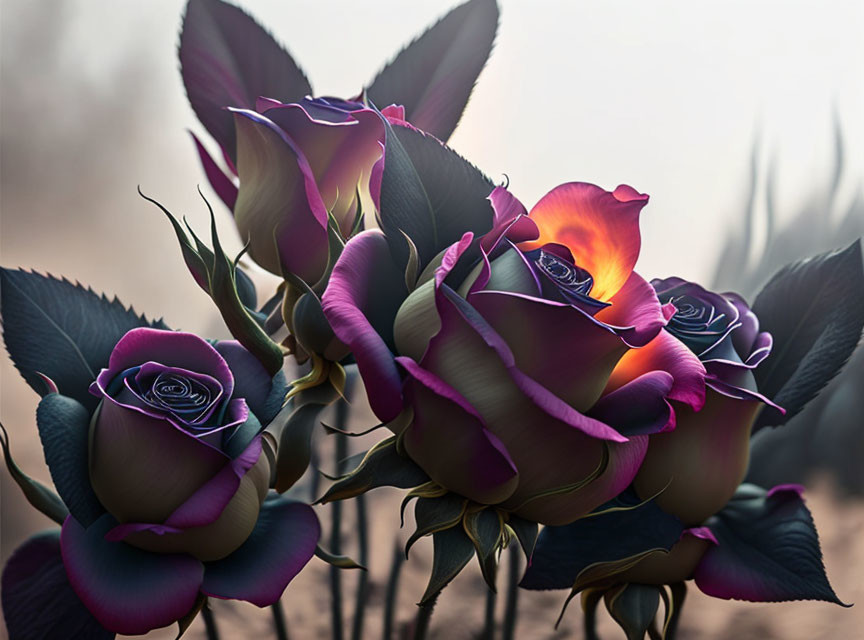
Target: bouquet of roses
[{"x": 538, "y": 392}]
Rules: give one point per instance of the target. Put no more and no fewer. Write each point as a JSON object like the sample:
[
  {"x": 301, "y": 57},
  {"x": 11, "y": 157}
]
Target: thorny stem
[
  {"x": 512, "y": 605},
  {"x": 363, "y": 576},
  {"x": 488, "y": 632},
  {"x": 392, "y": 589},
  {"x": 209, "y": 623},
  {"x": 279, "y": 621},
  {"x": 421, "y": 624}
]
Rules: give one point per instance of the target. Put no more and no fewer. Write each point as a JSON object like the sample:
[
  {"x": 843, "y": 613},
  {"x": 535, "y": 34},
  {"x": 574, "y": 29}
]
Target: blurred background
[{"x": 744, "y": 121}]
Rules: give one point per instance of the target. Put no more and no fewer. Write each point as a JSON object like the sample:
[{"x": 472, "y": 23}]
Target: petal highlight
[{"x": 600, "y": 228}]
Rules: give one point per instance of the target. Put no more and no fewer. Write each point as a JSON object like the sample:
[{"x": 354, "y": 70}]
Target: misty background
[{"x": 705, "y": 107}]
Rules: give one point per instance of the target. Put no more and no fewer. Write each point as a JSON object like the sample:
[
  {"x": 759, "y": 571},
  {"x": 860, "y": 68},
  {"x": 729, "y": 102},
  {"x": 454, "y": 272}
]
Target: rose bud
[
  {"x": 699, "y": 465},
  {"x": 299, "y": 166},
  {"x": 180, "y": 471},
  {"x": 494, "y": 369}
]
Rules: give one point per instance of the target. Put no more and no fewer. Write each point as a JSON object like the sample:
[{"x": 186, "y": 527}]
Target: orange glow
[{"x": 600, "y": 228}]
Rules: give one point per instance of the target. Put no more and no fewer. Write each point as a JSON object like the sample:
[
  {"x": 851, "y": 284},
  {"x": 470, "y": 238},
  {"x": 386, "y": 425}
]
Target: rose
[
  {"x": 181, "y": 470},
  {"x": 300, "y": 166},
  {"x": 495, "y": 369},
  {"x": 699, "y": 466}
]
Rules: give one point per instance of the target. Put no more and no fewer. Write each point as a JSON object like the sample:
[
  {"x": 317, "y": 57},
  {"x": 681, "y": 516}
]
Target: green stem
[
  {"x": 488, "y": 632},
  {"x": 421, "y": 624},
  {"x": 279, "y": 621},
  {"x": 392, "y": 590},
  {"x": 363, "y": 577},
  {"x": 209, "y": 623},
  {"x": 340, "y": 455},
  {"x": 511, "y": 610}
]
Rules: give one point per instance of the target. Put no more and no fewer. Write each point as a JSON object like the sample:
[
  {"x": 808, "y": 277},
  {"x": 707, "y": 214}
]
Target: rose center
[
  {"x": 575, "y": 280},
  {"x": 178, "y": 393},
  {"x": 693, "y": 314}
]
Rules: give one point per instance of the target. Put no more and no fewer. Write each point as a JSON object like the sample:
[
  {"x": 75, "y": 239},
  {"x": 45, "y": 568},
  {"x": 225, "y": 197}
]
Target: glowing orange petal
[
  {"x": 664, "y": 353},
  {"x": 600, "y": 228}
]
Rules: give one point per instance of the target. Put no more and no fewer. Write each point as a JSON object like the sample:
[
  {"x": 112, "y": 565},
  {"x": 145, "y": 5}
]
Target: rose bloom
[
  {"x": 495, "y": 369},
  {"x": 181, "y": 471},
  {"x": 299, "y": 165},
  {"x": 697, "y": 468},
  {"x": 700, "y": 465}
]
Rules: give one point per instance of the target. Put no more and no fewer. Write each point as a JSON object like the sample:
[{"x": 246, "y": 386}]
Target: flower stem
[
  {"x": 279, "y": 621},
  {"x": 363, "y": 576},
  {"x": 511, "y": 610},
  {"x": 488, "y": 632},
  {"x": 340, "y": 454},
  {"x": 209, "y": 623},
  {"x": 392, "y": 589},
  {"x": 421, "y": 624}
]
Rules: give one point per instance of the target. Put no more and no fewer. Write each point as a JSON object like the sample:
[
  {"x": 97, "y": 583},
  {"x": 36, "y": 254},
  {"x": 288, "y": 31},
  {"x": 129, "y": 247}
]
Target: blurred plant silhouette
[{"x": 827, "y": 436}]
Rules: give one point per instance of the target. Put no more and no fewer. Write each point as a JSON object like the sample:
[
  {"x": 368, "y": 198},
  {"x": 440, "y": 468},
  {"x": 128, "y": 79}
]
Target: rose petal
[
  {"x": 563, "y": 508},
  {"x": 340, "y": 154},
  {"x": 279, "y": 210},
  {"x": 207, "y": 503},
  {"x": 212, "y": 523},
  {"x": 505, "y": 205},
  {"x": 664, "y": 353},
  {"x": 143, "y": 468},
  {"x": 361, "y": 302},
  {"x": 558, "y": 345},
  {"x": 128, "y": 590},
  {"x": 599, "y": 227},
  {"x": 639, "y": 407},
  {"x": 281, "y": 544},
  {"x": 168, "y": 348},
  {"x": 700, "y": 464},
  {"x": 448, "y": 440},
  {"x": 635, "y": 312},
  {"x": 264, "y": 394},
  {"x": 552, "y": 445}
]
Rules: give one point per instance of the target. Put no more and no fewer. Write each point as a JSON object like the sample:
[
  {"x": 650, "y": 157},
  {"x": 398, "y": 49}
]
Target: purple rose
[
  {"x": 494, "y": 369},
  {"x": 705, "y": 459},
  {"x": 301, "y": 166},
  {"x": 181, "y": 468}
]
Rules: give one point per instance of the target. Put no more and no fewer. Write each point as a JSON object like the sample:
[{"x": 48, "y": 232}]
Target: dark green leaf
[
  {"x": 228, "y": 60},
  {"x": 674, "y": 606},
  {"x": 246, "y": 289},
  {"x": 435, "y": 514},
  {"x": 293, "y": 426},
  {"x": 767, "y": 551},
  {"x": 431, "y": 194},
  {"x": 37, "y": 494},
  {"x": 199, "y": 265},
  {"x": 38, "y": 601},
  {"x": 627, "y": 528},
  {"x": 452, "y": 549},
  {"x": 382, "y": 466},
  {"x": 590, "y": 599},
  {"x": 814, "y": 309},
  {"x": 633, "y": 606},
  {"x": 526, "y": 531},
  {"x": 61, "y": 330},
  {"x": 242, "y": 325},
  {"x": 434, "y": 75},
  {"x": 485, "y": 530},
  {"x": 64, "y": 428},
  {"x": 343, "y": 562}
]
